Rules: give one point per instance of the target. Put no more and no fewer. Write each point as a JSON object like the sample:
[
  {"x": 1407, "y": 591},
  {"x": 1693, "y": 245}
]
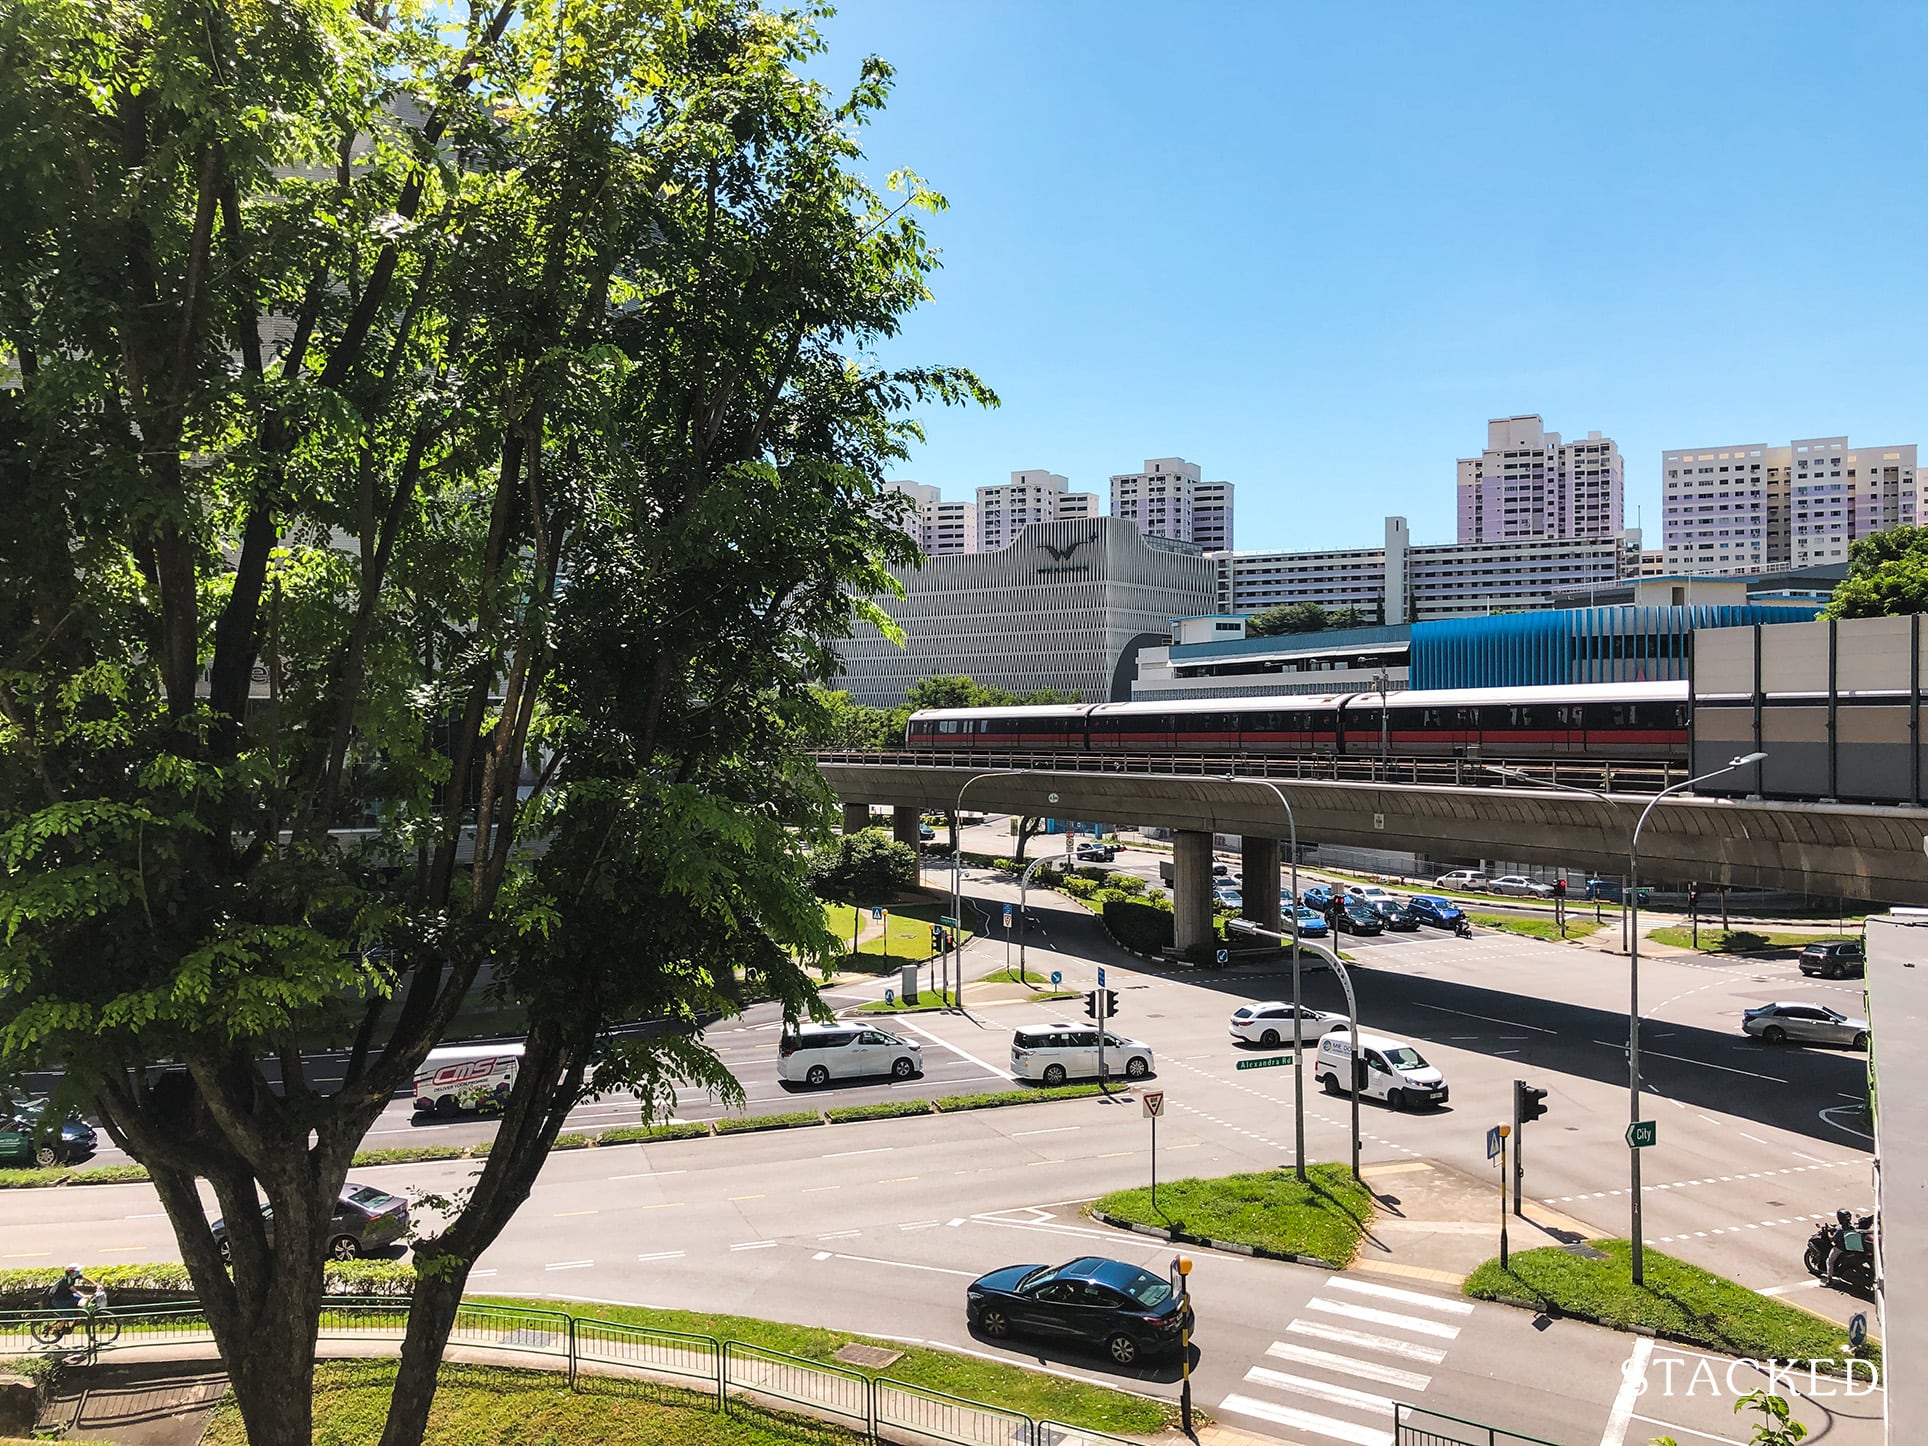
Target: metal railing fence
[{"x": 1412, "y": 1426}]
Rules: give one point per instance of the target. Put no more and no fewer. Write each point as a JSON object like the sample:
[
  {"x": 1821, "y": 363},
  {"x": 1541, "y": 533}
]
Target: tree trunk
[
  {"x": 950, "y": 819},
  {"x": 431, "y": 1317},
  {"x": 273, "y": 1373}
]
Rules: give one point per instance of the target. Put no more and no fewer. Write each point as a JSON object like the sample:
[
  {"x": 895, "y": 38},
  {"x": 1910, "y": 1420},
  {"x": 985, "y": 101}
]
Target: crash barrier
[
  {"x": 1414, "y": 1427},
  {"x": 709, "y": 1372}
]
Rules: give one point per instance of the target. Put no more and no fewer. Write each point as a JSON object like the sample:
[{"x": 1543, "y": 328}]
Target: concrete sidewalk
[{"x": 1439, "y": 1224}]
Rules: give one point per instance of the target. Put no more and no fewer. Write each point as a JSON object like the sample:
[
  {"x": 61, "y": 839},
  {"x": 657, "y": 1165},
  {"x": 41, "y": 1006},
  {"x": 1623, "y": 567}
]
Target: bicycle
[{"x": 103, "y": 1327}]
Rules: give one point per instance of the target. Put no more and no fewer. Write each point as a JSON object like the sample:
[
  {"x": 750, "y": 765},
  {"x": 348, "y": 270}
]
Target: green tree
[
  {"x": 1348, "y": 617},
  {"x": 1887, "y": 576},
  {"x": 866, "y": 867},
  {"x": 425, "y": 437},
  {"x": 1299, "y": 617}
]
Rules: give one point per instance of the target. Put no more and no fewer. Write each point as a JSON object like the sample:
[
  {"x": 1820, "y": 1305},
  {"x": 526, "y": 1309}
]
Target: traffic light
[
  {"x": 1559, "y": 888},
  {"x": 937, "y": 938},
  {"x": 1528, "y": 1102},
  {"x": 1111, "y": 1003},
  {"x": 1693, "y": 895},
  {"x": 1091, "y": 1003}
]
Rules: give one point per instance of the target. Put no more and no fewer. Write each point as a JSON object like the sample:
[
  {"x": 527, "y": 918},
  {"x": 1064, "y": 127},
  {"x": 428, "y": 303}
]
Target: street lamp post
[
  {"x": 957, "y": 873},
  {"x": 1631, "y": 907},
  {"x": 1298, "y": 1038}
]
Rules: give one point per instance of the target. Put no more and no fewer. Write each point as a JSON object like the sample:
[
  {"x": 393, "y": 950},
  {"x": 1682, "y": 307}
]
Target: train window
[
  {"x": 947, "y": 725},
  {"x": 1466, "y": 717}
]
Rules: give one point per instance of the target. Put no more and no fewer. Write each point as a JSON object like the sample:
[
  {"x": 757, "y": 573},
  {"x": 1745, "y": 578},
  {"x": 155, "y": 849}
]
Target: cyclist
[{"x": 70, "y": 1294}]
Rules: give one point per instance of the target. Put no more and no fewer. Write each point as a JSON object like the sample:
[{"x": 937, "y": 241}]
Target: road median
[{"x": 1273, "y": 1214}]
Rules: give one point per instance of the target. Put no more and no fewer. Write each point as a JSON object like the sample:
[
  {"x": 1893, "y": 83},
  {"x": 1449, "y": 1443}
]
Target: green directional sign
[
  {"x": 948, "y": 922},
  {"x": 1643, "y": 1133},
  {"x": 1275, "y": 1060}
]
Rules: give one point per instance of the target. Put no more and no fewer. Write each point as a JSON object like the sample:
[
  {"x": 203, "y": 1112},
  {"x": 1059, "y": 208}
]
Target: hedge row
[
  {"x": 1000, "y": 1098},
  {"x": 888, "y": 1109},
  {"x": 168, "y": 1280}
]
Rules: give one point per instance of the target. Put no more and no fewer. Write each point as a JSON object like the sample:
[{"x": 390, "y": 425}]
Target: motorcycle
[
  {"x": 1854, "y": 1269},
  {"x": 1461, "y": 928}
]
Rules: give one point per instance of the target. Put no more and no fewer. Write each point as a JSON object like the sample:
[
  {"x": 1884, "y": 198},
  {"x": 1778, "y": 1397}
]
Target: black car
[
  {"x": 365, "y": 1220},
  {"x": 1126, "y": 1312},
  {"x": 1440, "y": 912},
  {"x": 1357, "y": 918},
  {"x": 28, "y": 1136},
  {"x": 1396, "y": 916},
  {"x": 1836, "y": 959}
]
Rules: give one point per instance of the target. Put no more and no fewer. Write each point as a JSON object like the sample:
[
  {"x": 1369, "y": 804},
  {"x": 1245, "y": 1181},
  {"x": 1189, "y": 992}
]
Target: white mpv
[
  {"x": 1052, "y": 1053},
  {"x": 1384, "y": 1069}
]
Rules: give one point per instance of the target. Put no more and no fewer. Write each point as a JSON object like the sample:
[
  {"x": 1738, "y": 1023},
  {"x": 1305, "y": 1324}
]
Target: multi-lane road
[{"x": 876, "y": 1227}]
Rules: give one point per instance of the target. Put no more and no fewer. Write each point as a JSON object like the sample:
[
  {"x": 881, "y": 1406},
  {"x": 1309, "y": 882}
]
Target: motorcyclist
[
  {"x": 1462, "y": 927},
  {"x": 70, "y": 1294},
  {"x": 1837, "y": 1245}
]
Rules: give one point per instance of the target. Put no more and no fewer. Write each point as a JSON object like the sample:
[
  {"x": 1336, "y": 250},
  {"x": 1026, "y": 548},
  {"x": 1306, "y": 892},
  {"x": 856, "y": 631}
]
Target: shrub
[
  {"x": 648, "y": 1134},
  {"x": 369, "y": 1277},
  {"x": 997, "y": 1099},
  {"x": 736, "y": 1125},
  {"x": 888, "y": 1109},
  {"x": 408, "y": 1154},
  {"x": 1007, "y": 866},
  {"x": 1079, "y": 888},
  {"x": 1143, "y": 928},
  {"x": 1094, "y": 872},
  {"x": 1125, "y": 883}
]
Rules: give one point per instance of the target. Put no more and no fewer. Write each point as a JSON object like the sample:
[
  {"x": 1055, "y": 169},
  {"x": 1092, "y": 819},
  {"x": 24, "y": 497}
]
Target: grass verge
[
  {"x": 1742, "y": 941},
  {"x": 927, "y": 1000},
  {"x": 1535, "y": 928},
  {"x": 1324, "y": 1215},
  {"x": 996, "y": 1383},
  {"x": 498, "y": 1403},
  {"x": 1680, "y": 1302},
  {"x": 997, "y": 1099},
  {"x": 885, "y": 1110},
  {"x": 745, "y": 1124},
  {"x": 650, "y": 1134}
]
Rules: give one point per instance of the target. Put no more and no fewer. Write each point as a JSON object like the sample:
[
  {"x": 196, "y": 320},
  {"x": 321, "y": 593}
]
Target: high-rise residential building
[
  {"x": 1169, "y": 499},
  {"x": 1030, "y": 496},
  {"x": 938, "y": 526},
  {"x": 1212, "y": 516},
  {"x": 1528, "y": 483},
  {"x": 1754, "y": 508}
]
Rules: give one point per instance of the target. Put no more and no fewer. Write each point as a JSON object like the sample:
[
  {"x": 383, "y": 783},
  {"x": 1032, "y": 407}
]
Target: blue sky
[{"x": 1314, "y": 248}]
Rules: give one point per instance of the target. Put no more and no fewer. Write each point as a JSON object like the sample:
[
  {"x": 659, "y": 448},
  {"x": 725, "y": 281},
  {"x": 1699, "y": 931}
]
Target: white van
[
  {"x": 815, "y": 1054},
  {"x": 466, "y": 1077},
  {"x": 1052, "y": 1053},
  {"x": 1386, "y": 1069}
]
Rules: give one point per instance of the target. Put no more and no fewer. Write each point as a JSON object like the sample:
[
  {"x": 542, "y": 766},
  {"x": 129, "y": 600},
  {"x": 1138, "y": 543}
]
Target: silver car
[
  {"x": 1520, "y": 886},
  {"x": 1270, "y": 1021},
  {"x": 1805, "y": 1024}
]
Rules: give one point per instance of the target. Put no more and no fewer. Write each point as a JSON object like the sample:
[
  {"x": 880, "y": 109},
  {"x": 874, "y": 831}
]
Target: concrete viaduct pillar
[
  {"x": 856, "y": 817},
  {"x": 1259, "y": 868},
  {"x": 1191, "y": 888},
  {"x": 905, "y": 823}
]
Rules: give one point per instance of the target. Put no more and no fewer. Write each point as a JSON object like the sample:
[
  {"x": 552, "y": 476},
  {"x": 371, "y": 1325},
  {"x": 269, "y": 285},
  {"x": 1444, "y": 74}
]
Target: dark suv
[
  {"x": 1441, "y": 913},
  {"x": 1839, "y": 959}
]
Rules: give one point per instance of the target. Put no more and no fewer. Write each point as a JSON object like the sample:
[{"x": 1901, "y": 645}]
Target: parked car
[
  {"x": 1229, "y": 897},
  {"x": 1096, "y": 853},
  {"x": 1836, "y": 959},
  {"x": 1396, "y": 916},
  {"x": 926, "y": 832},
  {"x": 1385, "y": 1069},
  {"x": 1465, "y": 880},
  {"x": 1370, "y": 893},
  {"x": 1357, "y": 918},
  {"x": 1126, "y": 1312},
  {"x": 818, "y": 1053},
  {"x": 366, "y": 1219},
  {"x": 1270, "y": 1021},
  {"x": 29, "y": 1137},
  {"x": 1805, "y": 1024},
  {"x": 1312, "y": 924},
  {"x": 1318, "y": 896},
  {"x": 1431, "y": 909},
  {"x": 1222, "y": 870},
  {"x": 1519, "y": 886},
  {"x": 1050, "y": 1054}
]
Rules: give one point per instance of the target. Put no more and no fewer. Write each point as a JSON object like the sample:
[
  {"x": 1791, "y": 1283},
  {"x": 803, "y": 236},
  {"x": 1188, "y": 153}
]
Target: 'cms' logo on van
[{"x": 463, "y": 1073}]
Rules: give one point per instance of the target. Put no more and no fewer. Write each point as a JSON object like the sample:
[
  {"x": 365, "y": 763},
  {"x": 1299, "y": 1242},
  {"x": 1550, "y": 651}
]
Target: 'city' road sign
[
  {"x": 1642, "y": 1133},
  {"x": 1268, "y": 1063},
  {"x": 1493, "y": 1138},
  {"x": 1154, "y": 1103}
]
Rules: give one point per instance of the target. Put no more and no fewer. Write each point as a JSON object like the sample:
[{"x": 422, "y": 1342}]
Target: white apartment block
[
  {"x": 1212, "y": 516},
  {"x": 1399, "y": 582},
  {"x": 938, "y": 526},
  {"x": 1739, "y": 511},
  {"x": 1528, "y": 483},
  {"x": 1030, "y": 496},
  {"x": 1169, "y": 499}
]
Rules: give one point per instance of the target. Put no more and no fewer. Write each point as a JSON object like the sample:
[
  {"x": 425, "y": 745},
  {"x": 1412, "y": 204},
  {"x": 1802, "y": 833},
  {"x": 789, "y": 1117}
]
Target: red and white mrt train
[{"x": 1646, "y": 721}]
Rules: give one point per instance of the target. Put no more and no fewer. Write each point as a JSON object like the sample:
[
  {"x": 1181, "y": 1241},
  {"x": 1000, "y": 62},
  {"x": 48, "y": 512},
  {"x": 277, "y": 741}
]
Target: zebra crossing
[{"x": 1356, "y": 1348}]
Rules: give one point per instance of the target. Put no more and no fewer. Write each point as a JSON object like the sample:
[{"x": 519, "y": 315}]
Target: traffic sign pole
[{"x": 1504, "y": 1130}]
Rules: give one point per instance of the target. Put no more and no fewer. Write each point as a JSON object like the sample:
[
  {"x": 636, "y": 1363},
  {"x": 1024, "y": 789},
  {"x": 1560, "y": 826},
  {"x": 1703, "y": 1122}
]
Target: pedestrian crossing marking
[
  {"x": 1391, "y": 1345},
  {"x": 1307, "y": 1421},
  {"x": 1319, "y": 1390},
  {"x": 1410, "y": 1297},
  {"x": 1349, "y": 1365},
  {"x": 1384, "y": 1317}
]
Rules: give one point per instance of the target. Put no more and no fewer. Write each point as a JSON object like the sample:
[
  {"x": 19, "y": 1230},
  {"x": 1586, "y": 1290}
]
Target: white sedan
[
  {"x": 1520, "y": 886},
  {"x": 1369, "y": 894},
  {"x": 1269, "y": 1022}
]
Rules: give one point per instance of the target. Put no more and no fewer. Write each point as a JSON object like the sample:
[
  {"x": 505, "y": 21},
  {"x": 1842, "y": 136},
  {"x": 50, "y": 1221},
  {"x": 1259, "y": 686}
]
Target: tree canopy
[
  {"x": 1299, "y": 617},
  {"x": 427, "y": 433},
  {"x": 1887, "y": 576}
]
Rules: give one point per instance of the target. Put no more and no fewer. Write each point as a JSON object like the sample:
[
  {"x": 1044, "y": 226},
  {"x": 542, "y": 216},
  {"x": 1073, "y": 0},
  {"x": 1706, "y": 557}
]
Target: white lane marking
[
  {"x": 649, "y": 1175},
  {"x": 1671, "y": 1427},
  {"x": 920, "y": 1225},
  {"x": 1621, "y": 1045},
  {"x": 1755, "y": 1138},
  {"x": 846, "y": 1154},
  {"x": 474, "y": 1274},
  {"x": 151, "y": 1215},
  {"x": 841, "y": 1235},
  {"x": 903, "y": 1265},
  {"x": 1384, "y": 1317},
  {"x": 1319, "y": 1390},
  {"x": 959, "y": 1220},
  {"x": 1410, "y": 1297},
  {"x": 1350, "y": 1365},
  {"x": 1490, "y": 1019},
  {"x": 1306, "y": 1421},
  {"x": 663, "y": 1255},
  {"x": 960, "y": 1053},
  {"x": 754, "y": 1245},
  {"x": 1633, "y": 1379},
  {"x": 1817, "y": 1160},
  {"x": 570, "y": 1265},
  {"x": 1391, "y": 1345},
  {"x": 1797, "y": 1285},
  {"x": 1054, "y": 1130}
]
